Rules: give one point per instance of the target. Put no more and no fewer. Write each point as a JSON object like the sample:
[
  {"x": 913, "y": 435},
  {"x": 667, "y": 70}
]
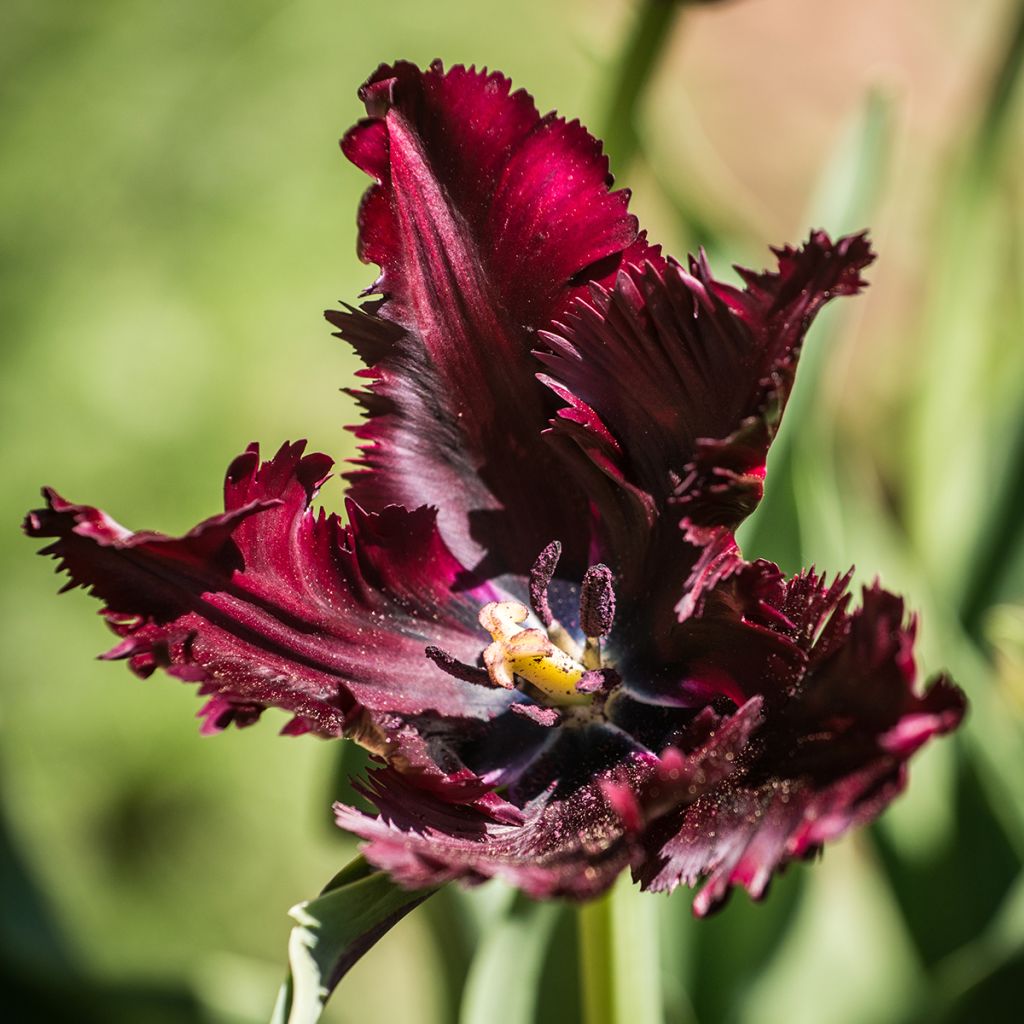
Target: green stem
[
  {"x": 620, "y": 962},
  {"x": 596, "y": 943},
  {"x": 632, "y": 72}
]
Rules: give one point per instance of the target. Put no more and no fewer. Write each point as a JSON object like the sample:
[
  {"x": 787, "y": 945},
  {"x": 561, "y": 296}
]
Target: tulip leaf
[
  {"x": 800, "y": 520},
  {"x": 358, "y": 906}
]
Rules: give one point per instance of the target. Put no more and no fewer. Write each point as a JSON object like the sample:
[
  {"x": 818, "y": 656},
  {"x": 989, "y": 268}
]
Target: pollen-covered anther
[
  {"x": 540, "y": 579},
  {"x": 597, "y": 611},
  {"x": 529, "y": 654}
]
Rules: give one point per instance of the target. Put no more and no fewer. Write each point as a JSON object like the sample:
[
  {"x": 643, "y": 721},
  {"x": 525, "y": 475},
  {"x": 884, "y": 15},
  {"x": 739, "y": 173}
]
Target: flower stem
[
  {"x": 597, "y": 961},
  {"x": 632, "y": 71},
  {"x": 620, "y": 972}
]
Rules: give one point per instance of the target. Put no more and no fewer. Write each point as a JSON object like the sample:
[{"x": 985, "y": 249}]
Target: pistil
[{"x": 529, "y": 654}]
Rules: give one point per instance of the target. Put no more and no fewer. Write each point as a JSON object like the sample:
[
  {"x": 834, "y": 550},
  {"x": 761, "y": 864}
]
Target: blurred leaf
[
  {"x": 845, "y": 958},
  {"x": 333, "y": 931},
  {"x": 964, "y": 536},
  {"x": 950, "y": 892},
  {"x": 981, "y": 980},
  {"x": 737, "y": 947},
  {"x": 629, "y": 76},
  {"x": 40, "y": 977},
  {"x": 596, "y": 967},
  {"x": 951, "y": 453},
  {"x": 701, "y": 220},
  {"x": 1002, "y": 532},
  {"x": 41, "y": 999},
  {"x": 844, "y": 200},
  {"x": 680, "y": 935},
  {"x": 994, "y": 996},
  {"x": 801, "y": 488},
  {"x": 503, "y": 981},
  {"x": 559, "y": 999},
  {"x": 29, "y": 934},
  {"x": 1004, "y": 629},
  {"x": 847, "y": 194},
  {"x": 637, "y": 955},
  {"x": 458, "y": 920}
]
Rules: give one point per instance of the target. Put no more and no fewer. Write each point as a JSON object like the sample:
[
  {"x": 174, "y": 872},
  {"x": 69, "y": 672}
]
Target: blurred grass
[{"x": 174, "y": 215}]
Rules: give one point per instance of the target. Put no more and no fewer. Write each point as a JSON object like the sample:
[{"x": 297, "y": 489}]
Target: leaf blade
[{"x": 333, "y": 931}]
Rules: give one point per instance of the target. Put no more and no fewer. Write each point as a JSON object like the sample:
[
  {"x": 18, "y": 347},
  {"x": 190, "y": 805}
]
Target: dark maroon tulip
[{"x": 563, "y": 429}]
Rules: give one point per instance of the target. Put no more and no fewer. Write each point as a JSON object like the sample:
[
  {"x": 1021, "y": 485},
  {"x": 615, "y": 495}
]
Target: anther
[
  {"x": 597, "y": 611},
  {"x": 598, "y": 680},
  {"x": 454, "y": 667},
  {"x": 540, "y": 579}
]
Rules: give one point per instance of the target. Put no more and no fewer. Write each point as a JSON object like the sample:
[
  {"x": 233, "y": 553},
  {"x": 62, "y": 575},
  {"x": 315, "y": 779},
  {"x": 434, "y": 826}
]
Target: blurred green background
[{"x": 174, "y": 215}]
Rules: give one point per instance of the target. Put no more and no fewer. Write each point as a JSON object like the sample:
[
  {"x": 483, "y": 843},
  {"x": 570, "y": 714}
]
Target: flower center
[
  {"x": 549, "y": 663},
  {"x": 550, "y": 660}
]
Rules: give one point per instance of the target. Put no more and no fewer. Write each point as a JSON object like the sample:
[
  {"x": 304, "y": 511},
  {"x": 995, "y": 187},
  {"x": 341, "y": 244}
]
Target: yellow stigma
[{"x": 528, "y": 653}]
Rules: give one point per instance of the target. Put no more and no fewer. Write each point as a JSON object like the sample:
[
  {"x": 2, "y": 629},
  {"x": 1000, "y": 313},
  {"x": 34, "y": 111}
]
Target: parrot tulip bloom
[{"x": 536, "y": 617}]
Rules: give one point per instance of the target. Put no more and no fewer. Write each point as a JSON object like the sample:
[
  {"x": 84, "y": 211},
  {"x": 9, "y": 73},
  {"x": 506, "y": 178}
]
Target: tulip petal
[
  {"x": 486, "y": 220},
  {"x": 687, "y": 377},
  {"x": 274, "y": 604},
  {"x": 841, "y": 719}
]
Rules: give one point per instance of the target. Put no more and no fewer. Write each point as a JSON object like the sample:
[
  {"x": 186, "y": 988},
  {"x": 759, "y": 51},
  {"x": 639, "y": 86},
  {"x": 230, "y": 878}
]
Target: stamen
[
  {"x": 454, "y": 667},
  {"x": 536, "y": 713},
  {"x": 597, "y": 611},
  {"x": 597, "y": 601},
  {"x": 598, "y": 680},
  {"x": 540, "y": 579},
  {"x": 528, "y": 653}
]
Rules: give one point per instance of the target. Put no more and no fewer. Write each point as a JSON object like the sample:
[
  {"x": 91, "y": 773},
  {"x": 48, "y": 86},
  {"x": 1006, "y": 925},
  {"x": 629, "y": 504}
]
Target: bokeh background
[{"x": 174, "y": 215}]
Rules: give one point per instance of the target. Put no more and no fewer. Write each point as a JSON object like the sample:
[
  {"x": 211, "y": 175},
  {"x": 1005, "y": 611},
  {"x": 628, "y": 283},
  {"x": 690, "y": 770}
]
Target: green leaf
[
  {"x": 981, "y": 980},
  {"x": 847, "y": 193},
  {"x": 963, "y": 538},
  {"x": 845, "y": 958},
  {"x": 358, "y": 906},
  {"x": 504, "y": 977},
  {"x": 735, "y": 948},
  {"x": 798, "y": 522}
]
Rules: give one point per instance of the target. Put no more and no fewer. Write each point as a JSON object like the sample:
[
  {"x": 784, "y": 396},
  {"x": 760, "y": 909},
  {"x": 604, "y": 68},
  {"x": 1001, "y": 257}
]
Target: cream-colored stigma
[{"x": 528, "y": 653}]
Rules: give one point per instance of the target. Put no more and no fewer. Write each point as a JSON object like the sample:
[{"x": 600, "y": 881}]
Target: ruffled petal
[
  {"x": 561, "y": 831},
  {"x": 679, "y": 380},
  {"x": 564, "y": 841},
  {"x": 486, "y": 220},
  {"x": 274, "y": 604},
  {"x": 841, "y": 719}
]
